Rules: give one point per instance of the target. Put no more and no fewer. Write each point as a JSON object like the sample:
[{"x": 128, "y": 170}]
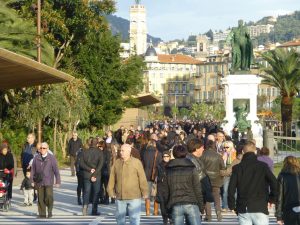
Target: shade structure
[
  {"x": 146, "y": 99},
  {"x": 17, "y": 71}
]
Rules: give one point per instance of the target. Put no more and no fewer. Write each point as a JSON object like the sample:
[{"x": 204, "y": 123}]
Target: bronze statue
[
  {"x": 242, "y": 49},
  {"x": 137, "y": 2},
  {"x": 241, "y": 113}
]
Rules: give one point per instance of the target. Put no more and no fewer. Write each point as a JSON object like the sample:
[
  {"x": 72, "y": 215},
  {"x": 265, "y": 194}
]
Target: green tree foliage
[
  {"x": 184, "y": 112},
  {"x": 283, "y": 73},
  {"x": 109, "y": 79},
  {"x": 286, "y": 28},
  {"x": 19, "y": 36},
  {"x": 66, "y": 23}
]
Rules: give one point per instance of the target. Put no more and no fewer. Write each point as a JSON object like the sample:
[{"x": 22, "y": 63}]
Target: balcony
[{"x": 197, "y": 87}]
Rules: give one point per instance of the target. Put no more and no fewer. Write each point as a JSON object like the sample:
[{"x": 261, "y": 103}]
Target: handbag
[
  {"x": 154, "y": 166},
  {"x": 154, "y": 188}
]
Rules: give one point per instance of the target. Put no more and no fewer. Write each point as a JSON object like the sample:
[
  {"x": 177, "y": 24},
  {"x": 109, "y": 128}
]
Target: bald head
[
  {"x": 125, "y": 151},
  {"x": 211, "y": 137}
]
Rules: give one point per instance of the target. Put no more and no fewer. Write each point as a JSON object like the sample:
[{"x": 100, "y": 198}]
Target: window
[
  {"x": 161, "y": 75},
  {"x": 184, "y": 88},
  {"x": 176, "y": 88}
]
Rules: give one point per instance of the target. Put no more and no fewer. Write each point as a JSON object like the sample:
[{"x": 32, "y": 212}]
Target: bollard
[{"x": 268, "y": 136}]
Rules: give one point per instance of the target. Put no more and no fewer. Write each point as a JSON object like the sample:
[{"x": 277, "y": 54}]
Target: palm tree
[{"x": 283, "y": 72}]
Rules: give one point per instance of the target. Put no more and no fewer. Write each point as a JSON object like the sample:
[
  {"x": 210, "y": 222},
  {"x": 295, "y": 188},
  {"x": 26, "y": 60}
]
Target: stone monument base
[{"x": 243, "y": 87}]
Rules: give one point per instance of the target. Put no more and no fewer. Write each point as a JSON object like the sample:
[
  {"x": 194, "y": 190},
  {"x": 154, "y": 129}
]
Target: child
[{"x": 27, "y": 188}]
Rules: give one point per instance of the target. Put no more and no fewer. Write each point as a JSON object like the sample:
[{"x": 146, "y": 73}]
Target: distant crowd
[{"x": 180, "y": 168}]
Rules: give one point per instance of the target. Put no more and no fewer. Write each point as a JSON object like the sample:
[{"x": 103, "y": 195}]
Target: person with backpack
[{"x": 195, "y": 149}]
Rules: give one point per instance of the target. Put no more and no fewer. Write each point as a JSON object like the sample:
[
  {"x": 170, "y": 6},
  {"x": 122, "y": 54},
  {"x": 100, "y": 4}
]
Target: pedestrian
[
  {"x": 264, "y": 157},
  {"x": 255, "y": 185},
  {"x": 105, "y": 171},
  {"x": 27, "y": 189},
  {"x": 288, "y": 201},
  {"x": 7, "y": 163},
  {"x": 195, "y": 149},
  {"x": 214, "y": 165},
  {"x": 128, "y": 184},
  {"x": 184, "y": 189},
  {"x": 229, "y": 155},
  {"x": 151, "y": 158},
  {"x": 79, "y": 175},
  {"x": 28, "y": 152},
  {"x": 74, "y": 145},
  {"x": 162, "y": 187},
  {"x": 44, "y": 168},
  {"x": 91, "y": 164}
]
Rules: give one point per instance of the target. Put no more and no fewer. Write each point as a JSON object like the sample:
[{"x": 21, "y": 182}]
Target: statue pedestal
[{"x": 242, "y": 87}]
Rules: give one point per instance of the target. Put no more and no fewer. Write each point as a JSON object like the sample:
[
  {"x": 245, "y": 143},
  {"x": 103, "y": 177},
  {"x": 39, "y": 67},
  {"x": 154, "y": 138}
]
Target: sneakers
[{"x": 84, "y": 210}]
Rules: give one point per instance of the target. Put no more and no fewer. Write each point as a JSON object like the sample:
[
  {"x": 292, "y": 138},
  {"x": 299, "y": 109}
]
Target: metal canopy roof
[
  {"x": 146, "y": 99},
  {"x": 17, "y": 71}
]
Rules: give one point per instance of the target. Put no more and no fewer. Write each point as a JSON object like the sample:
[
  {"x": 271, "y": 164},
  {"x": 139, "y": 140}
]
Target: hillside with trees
[{"x": 286, "y": 28}]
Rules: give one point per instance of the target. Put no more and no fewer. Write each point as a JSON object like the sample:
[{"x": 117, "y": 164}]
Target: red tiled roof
[
  {"x": 178, "y": 59},
  {"x": 293, "y": 43}
]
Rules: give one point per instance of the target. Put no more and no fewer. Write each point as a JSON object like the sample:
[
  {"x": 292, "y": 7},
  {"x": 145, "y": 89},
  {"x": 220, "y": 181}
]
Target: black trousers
[
  {"x": 45, "y": 199},
  {"x": 103, "y": 188},
  {"x": 291, "y": 218},
  {"x": 79, "y": 184}
]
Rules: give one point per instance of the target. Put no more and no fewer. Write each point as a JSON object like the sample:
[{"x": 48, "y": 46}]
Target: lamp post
[{"x": 39, "y": 54}]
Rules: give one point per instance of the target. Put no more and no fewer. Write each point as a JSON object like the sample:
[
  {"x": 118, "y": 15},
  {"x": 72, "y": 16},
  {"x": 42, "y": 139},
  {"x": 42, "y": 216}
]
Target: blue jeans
[
  {"x": 188, "y": 211},
  {"x": 253, "y": 219},
  {"x": 225, "y": 193},
  {"x": 88, "y": 186},
  {"x": 134, "y": 211}
]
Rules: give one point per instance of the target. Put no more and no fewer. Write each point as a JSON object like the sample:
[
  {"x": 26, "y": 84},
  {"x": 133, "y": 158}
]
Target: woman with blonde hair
[
  {"x": 229, "y": 156},
  {"x": 288, "y": 201}
]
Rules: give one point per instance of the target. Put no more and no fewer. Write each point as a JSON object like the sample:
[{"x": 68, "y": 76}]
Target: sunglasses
[
  {"x": 42, "y": 148},
  {"x": 226, "y": 147}
]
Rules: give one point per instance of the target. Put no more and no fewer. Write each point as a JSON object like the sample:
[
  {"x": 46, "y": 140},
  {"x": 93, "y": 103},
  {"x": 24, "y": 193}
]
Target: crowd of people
[{"x": 180, "y": 168}]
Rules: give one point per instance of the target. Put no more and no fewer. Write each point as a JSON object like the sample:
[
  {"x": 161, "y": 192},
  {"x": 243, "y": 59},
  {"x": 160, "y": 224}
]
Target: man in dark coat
[
  {"x": 91, "y": 164},
  {"x": 74, "y": 145},
  {"x": 255, "y": 185},
  {"x": 184, "y": 188},
  {"x": 28, "y": 152},
  {"x": 214, "y": 165}
]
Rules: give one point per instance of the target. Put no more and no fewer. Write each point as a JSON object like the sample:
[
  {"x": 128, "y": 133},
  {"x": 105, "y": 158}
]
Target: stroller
[{"x": 4, "y": 184}]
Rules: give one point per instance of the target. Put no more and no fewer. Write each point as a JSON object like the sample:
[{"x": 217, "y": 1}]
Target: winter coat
[
  {"x": 6, "y": 161},
  {"x": 127, "y": 180},
  {"x": 288, "y": 194},
  {"x": 79, "y": 153},
  {"x": 252, "y": 180},
  {"x": 106, "y": 163},
  {"x": 183, "y": 183},
  {"x": 74, "y": 146},
  {"x": 46, "y": 168},
  {"x": 213, "y": 165},
  {"x": 162, "y": 185},
  {"x": 92, "y": 158},
  {"x": 204, "y": 179},
  {"x": 27, "y": 154},
  {"x": 148, "y": 161},
  {"x": 26, "y": 184}
]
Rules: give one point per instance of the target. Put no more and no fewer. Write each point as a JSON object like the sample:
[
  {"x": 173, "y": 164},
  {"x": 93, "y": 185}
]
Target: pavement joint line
[{"x": 97, "y": 221}]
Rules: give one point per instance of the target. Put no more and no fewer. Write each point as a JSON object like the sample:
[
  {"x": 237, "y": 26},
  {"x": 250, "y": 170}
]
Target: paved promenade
[{"x": 66, "y": 210}]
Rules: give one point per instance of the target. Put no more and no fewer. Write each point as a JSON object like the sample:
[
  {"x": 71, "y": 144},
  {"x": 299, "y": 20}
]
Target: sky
[{"x": 177, "y": 19}]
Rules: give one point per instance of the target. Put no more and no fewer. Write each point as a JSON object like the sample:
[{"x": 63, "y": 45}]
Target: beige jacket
[{"x": 127, "y": 180}]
